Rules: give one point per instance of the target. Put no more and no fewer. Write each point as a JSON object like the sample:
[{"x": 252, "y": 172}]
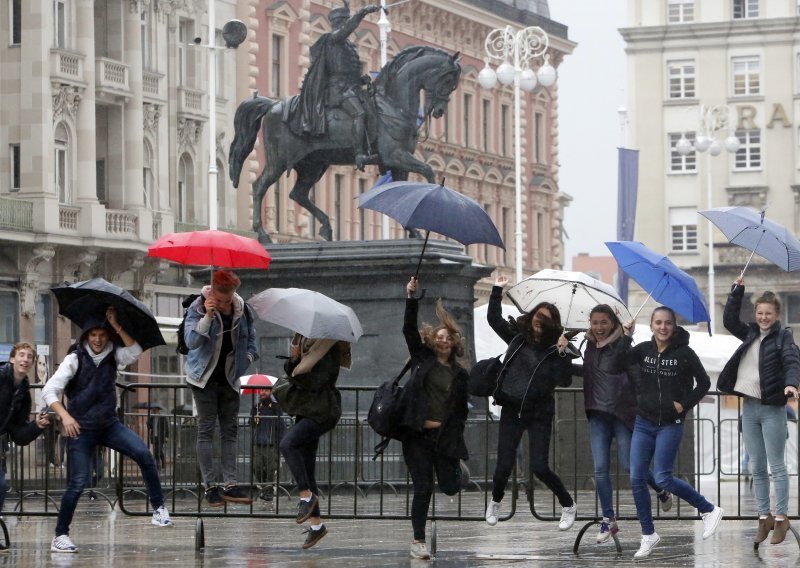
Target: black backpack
[{"x": 182, "y": 348}]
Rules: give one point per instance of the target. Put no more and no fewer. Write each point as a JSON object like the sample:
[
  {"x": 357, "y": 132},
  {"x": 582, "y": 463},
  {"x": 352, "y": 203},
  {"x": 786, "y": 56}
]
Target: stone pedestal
[{"x": 370, "y": 277}]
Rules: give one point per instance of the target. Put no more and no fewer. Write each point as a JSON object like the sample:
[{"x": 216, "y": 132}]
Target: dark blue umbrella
[
  {"x": 433, "y": 208},
  {"x": 661, "y": 279}
]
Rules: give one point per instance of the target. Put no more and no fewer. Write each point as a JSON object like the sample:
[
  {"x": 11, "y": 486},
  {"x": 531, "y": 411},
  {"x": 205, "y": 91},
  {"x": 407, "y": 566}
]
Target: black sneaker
[
  {"x": 235, "y": 494},
  {"x": 314, "y": 536},
  {"x": 213, "y": 497},
  {"x": 265, "y": 495},
  {"x": 305, "y": 509}
]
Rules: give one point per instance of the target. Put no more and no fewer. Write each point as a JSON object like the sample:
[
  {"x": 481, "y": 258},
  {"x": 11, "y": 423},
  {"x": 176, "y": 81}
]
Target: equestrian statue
[{"x": 342, "y": 117}]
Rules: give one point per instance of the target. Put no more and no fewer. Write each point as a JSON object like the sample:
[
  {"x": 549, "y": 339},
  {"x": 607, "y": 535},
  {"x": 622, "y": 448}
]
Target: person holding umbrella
[
  {"x": 87, "y": 375},
  {"x": 433, "y": 412},
  {"x": 765, "y": 371},
  {"x": 316, "y": 404},
  {"x": 222, "y": 344},
  {"x": 610, "y": 403},
  {"x": 15, "y": 407},
  {"x": 669, "y": 380}
]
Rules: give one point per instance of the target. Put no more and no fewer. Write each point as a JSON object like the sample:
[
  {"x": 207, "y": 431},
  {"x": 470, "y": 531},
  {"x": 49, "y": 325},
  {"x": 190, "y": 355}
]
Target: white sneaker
[
  {"x": 649, "y": 542},
  {"x": 665, "y": 498},
  {"x": 419, "y": 550},
  {"x": 161, "y": 517},
  {"x": 568, "y": 515},
  {"x": 711, "y": 521},
  {"x": 63, "y": 543},
  {"x": 492, "y": 512}
]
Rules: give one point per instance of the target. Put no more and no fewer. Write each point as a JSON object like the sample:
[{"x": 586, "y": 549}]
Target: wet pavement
[{"x": 112, "y": 539}]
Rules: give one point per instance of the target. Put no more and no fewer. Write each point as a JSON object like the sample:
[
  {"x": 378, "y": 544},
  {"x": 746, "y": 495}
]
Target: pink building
[{"x": 604, "y": 268}]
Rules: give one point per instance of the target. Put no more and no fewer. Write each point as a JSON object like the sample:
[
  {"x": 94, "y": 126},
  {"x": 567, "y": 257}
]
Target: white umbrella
[
  {"x": 308, "y": 313},
  {"x": 573, "y": 293}
]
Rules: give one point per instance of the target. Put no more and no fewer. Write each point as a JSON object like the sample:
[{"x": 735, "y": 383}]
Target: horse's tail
[{"x": 246, "y": 123}]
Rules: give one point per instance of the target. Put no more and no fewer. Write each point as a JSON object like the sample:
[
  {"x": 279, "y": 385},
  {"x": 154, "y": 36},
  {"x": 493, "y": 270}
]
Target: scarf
[
  {"x": 616, "y": 334},
  {"x": 312, "y": 350}
]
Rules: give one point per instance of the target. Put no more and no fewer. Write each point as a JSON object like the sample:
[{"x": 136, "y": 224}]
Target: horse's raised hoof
[
  {"x": 264, "y": 238},
  {"x": 326, "y": 232}
]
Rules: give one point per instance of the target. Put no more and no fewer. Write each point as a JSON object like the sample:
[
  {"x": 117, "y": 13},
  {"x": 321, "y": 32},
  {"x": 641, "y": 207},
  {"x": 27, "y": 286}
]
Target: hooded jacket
[
  {"x": 661, "y": 379},
  {"x": 778, "y": 358},
  {"x": 15, "y": 408}
]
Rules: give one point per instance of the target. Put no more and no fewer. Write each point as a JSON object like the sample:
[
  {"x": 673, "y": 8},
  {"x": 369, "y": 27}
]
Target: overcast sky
[{"x": 591, "y": 87}]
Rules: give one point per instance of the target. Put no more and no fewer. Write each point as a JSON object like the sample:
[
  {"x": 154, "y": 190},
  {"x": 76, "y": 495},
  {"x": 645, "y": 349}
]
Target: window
[
  {"x": 748, "y": 156},
  {"x": 338, "y": 180},
  {"x": 680, "y": 77},
  {"x": 15, "y": 20},
  {"x": 485, "y": 117},
  {"x": 362, "y": 213},
  {"x": 745, "y": 9},
  {"x": 60, "y": 169},
  {"x": 746, "y": 75},
  {"x": 277, "y": 54},
  {"x": 222, "y": 197},
  {"x": 680, "y": 11},
  {"x": 678, "y": 163},
  {"x": 185, "y": 189},
  {"x": 467, "y": 118},
  {"x": 488, "y": 208},
  {"x": 146, "y": 45},
  {"x": 504, "y": 114},
  {"x": 60, "y": 24},
  {"x": 15, "y": 157},
  {"x": 185, "y": 37},
  {"x": 9, "y": 317},
  {"x": 147, "y": 176},
  {"x": 219, "y": 59},
  {"x": 791, "y": 307},
  {"x": 504, "y": 215},
  {"x": 683, "y": 226},
  {"x": 538, "y": 119},
  {"x": 100, "y": 181}
]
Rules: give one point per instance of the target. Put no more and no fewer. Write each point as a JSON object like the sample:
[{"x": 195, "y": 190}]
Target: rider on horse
[{"x": 334, "y": 79}]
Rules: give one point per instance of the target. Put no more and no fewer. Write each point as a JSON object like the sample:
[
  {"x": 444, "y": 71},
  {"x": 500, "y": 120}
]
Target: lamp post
[
  {"x": 517, "y": 50},
  {"x": 710, "y": 121},
  {"x": 384, "y": 27}
]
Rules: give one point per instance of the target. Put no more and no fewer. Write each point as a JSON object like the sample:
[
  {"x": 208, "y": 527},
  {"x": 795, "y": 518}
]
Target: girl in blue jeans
[
  {"x": 764, "y": 370},
  {"x": 669, "y": 381},
  {"x": 610, "y": 404}
]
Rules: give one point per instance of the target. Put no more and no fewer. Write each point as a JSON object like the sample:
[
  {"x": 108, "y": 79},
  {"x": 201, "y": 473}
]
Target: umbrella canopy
[
  {"x": 309, "y": 313},
  {"x": 749, "y": 229},
  {"x": 433, "y": 207},
  {"x": 90, "y": 299},
  {"x": 211, "y": 248},
  {"x": 660, "y": 278},
  {"x": 256, "y": 381},
  {"x": 573, "y": 293}
]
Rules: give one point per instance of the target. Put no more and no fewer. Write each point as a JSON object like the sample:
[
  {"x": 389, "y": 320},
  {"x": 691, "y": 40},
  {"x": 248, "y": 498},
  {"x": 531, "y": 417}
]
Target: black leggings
[
  {"x": 299, "y": 449},
  {"x": 421, "y": 457},
  {"x": 539, "y": 429}
]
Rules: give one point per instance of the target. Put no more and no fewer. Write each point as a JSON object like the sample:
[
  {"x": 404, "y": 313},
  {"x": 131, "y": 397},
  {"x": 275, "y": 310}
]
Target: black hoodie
[{"x": 661, "y": 379}]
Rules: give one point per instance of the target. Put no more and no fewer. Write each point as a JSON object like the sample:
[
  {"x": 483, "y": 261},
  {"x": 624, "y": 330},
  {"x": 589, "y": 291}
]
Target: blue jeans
[
  {"x": 81, "y": 453},
  {"x": 659, "y": 444},
  {"x": 216, "y": 402},
  {"x": 603, "y": 428},
  {"x": 764, "y": 433}
]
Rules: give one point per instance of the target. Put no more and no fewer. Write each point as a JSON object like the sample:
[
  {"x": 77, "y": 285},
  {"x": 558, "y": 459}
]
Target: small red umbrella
[
  {"x": 256, "y": 381},
  {"x": 211, "y": 248}
]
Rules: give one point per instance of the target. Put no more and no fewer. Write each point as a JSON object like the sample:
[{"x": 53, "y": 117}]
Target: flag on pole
[{"x": 627, "y": 189}]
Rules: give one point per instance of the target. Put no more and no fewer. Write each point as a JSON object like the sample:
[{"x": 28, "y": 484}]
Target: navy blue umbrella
[
  {"x": 433, "y": 208},
  {"x": 661, "y": 279}
]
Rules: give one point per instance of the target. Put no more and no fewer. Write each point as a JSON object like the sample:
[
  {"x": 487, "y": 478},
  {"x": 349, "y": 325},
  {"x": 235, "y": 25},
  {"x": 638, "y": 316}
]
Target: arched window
[
  {"x": 148, "y": 180},
  {"x": 185, "y": 210},
  {"x": 61, "y": 164}
]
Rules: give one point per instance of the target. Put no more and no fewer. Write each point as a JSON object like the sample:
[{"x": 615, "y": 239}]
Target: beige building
[
  {"x": 743, "y": 54},
  {"x": 104, "y": 141}
]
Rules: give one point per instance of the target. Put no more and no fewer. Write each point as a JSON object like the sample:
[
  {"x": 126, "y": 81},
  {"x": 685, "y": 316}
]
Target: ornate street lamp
[
  {"x": 517, "y": 50},
  {"x": 710, "y": 121}
]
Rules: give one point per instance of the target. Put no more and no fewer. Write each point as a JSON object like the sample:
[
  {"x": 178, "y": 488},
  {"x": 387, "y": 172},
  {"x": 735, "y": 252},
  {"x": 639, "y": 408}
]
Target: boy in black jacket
[{"x": 15, "y": 407}]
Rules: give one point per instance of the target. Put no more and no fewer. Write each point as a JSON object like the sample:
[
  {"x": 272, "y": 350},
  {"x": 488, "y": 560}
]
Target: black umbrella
[{"x": 91, "y": 298}]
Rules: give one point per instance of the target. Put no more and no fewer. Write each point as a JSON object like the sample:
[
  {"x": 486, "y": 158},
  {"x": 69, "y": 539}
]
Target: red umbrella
[
  {"x": 257, "y": 381},
  {"x": 214, "y": 248}
]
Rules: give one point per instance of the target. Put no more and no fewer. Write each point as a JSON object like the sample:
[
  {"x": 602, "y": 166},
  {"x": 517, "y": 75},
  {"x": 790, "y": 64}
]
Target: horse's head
[{"x": 439, "y": 83}]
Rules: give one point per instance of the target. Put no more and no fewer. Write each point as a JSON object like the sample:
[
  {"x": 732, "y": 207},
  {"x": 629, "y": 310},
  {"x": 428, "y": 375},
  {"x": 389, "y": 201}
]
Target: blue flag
[{"x": 627, "y": 189}]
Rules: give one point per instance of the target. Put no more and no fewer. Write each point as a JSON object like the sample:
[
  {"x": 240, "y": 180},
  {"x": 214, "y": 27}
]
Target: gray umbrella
[{"x": 308, "y": 313}]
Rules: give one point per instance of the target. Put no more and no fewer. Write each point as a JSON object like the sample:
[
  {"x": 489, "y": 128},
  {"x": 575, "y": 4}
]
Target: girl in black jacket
[
  {"x": 669, "y": 380},
  {"x": 538, "y": 367},
  {"x": 434, "y": 412},
  {"x": 765, "y": 370}
]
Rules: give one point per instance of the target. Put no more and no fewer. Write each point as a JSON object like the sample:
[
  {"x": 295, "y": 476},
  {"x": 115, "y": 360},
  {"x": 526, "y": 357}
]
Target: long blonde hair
[{"x": 446, "y": 321}]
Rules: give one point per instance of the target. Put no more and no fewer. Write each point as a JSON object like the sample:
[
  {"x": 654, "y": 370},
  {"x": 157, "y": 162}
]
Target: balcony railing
[
  {"x": 68, "y": 217},
  {"x": 182, "y": 227},
  {"x": 121, "y": 223},
  {"x": 191, "y": 103},
  {"x": 16, "y": 214},
  {"x": 112, "y": 75},
  {"x": 151, "y": 84},
  {"x": 66, "y": 66}
]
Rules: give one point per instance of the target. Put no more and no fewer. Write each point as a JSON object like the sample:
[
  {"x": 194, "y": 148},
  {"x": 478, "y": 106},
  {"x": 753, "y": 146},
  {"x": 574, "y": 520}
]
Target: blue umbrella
[
  {"x": 433, "y": 207},
  {"x": 661, "y": 279},
  {"x": 750, "y": 230}
]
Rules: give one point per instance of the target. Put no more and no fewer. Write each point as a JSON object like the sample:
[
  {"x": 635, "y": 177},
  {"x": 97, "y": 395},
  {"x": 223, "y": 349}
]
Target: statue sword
[{"x": 384, "y": 8}]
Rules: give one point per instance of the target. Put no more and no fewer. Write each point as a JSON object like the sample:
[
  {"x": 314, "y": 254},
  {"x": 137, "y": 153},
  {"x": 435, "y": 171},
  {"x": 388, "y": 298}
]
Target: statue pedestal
[{"x": 370, "y": 277}]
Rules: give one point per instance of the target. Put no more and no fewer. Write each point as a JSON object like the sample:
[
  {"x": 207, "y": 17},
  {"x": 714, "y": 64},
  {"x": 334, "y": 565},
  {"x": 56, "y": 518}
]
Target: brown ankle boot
[
  {"x": 764, "y": 528},
  {"x": 779, "y": 533}
]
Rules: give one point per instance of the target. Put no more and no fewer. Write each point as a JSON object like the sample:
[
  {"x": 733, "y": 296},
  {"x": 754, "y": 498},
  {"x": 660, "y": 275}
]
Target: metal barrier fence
[{"x": 354, "y": 486}]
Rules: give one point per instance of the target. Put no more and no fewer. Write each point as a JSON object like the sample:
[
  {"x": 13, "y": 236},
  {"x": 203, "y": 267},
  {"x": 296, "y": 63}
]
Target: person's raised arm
[
  {"x": 410, "y": 329},
  {"x": 352, "y": 24},
  {"x": 494, "y": 311},
  {"x": 733, "y": 306}
]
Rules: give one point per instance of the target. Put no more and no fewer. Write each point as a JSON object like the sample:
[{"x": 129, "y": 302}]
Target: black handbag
[
  {"x": 382, "y": 415},
  {"x": 486, "y": 373}
]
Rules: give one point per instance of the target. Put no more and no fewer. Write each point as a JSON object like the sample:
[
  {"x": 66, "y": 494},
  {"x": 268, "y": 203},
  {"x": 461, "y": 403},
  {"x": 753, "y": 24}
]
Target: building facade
[
  {"x": 104, "y": 142},
  {"x": 742, "y": 56}
]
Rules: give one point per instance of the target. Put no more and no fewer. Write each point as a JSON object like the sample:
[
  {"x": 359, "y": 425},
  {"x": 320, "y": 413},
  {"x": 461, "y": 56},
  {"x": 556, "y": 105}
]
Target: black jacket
[
  {"x": 413, "y": 402},
  {"x": 315, "y": 395},
  {"x": 268, "y": 426},
  {"x": 15, "y": 408},
  {"x": 554, "y": 371},
  {"x": 777, "y": 367},
  {"x": 661, "y": 379}
]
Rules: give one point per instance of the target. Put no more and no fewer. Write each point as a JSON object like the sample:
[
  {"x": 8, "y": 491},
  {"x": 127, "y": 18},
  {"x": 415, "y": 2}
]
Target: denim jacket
[{"x": 203, "y": 341}]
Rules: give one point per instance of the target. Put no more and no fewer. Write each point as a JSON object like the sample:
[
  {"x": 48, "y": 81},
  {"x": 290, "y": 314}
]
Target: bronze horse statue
[{"x": 392, "y": 105}]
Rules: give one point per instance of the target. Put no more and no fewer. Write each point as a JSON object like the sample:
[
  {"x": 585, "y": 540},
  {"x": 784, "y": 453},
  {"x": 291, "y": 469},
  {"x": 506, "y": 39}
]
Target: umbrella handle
[
  {"x": 569, "y": 308},
  {"x": 645, "y": 301},
  {"x": 424, "y": 245},
  {"x": 752, "y": 253}
]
